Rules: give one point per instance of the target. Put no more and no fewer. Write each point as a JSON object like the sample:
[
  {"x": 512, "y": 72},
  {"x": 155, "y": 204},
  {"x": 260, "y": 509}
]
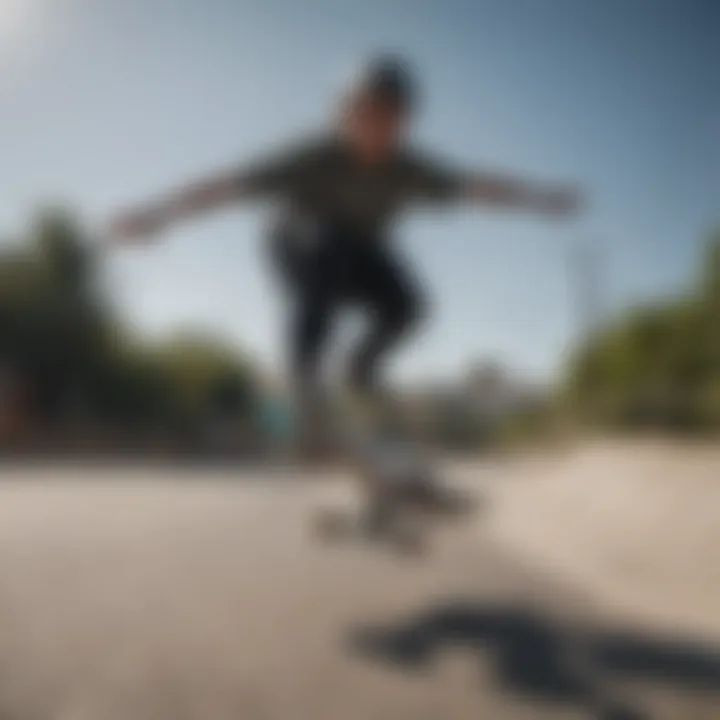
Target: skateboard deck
[
  {"x": 401, "y": 490},
  {"x": 397, "y": 518}
]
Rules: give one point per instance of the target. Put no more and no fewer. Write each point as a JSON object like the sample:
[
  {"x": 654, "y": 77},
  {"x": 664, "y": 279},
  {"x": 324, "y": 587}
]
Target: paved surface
[
  {"x": 638, "y": 523},
  {"x": 153, "y": 595}
]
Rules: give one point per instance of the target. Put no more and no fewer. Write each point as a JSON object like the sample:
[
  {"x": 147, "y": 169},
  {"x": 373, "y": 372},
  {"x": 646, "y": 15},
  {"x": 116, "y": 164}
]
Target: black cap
[{"x": 388, "y": 78}]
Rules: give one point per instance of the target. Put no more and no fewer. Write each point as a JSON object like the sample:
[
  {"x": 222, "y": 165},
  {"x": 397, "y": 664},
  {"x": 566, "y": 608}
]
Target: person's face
[{"x": 376, "y": 127}]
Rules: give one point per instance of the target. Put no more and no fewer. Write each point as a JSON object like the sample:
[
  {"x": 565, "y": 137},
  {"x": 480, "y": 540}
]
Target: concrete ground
[{"x": 131, "y": 593}]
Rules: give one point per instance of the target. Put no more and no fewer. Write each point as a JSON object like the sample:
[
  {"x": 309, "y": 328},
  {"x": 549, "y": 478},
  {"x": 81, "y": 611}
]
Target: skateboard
[
  {"x": 402, "y": 496},
  {"x": 404, "y": 499}
]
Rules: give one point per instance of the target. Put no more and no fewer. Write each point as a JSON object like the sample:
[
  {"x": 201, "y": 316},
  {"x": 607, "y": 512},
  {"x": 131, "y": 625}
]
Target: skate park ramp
[{"x": 157, "y": 593}]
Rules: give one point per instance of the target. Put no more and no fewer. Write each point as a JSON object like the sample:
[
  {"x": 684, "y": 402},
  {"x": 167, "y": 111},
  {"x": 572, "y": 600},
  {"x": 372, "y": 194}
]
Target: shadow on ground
[{"x": 543, "y": 660}]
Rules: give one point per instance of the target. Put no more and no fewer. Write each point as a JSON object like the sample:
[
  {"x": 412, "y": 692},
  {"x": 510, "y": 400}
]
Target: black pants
[{"x": 337, "y": 269}]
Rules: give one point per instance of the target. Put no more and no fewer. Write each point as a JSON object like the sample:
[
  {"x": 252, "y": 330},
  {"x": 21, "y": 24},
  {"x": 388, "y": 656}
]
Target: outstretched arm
[
  {"x": 435, "y": 180},
  {"x": 503, "y": 191},
  {"x": 268, "y": 177},
  {"x": 144, "y": 221}
]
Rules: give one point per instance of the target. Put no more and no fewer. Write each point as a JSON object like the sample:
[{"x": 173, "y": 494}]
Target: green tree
[
  {"x": 659, "y": 366},
  {"x": 56, "y": 329}
]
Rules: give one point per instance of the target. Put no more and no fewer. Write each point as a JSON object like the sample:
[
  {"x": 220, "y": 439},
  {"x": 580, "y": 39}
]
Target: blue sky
[{"x": 103, "y": 102}]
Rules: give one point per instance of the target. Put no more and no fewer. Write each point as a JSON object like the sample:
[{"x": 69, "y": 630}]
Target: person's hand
[
  {"x": 138, "y": 226},
  {"x": 559, "y": 202}
]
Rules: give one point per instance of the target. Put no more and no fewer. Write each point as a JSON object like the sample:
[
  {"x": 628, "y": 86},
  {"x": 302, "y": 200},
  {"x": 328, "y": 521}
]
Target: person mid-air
[{"x": 338, "y": 194}]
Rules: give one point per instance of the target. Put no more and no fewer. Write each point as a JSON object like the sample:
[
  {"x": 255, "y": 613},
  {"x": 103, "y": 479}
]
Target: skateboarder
[{"x": 337, "y": 195}]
